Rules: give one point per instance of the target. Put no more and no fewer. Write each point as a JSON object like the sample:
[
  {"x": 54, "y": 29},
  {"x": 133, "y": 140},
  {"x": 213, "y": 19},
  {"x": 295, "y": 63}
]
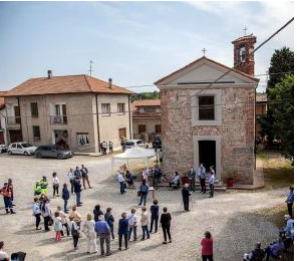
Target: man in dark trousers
[
  {"x": 6, "y": 193},
  {"x": 192, "y": 176},
  {"x": 186, "y": 196}
]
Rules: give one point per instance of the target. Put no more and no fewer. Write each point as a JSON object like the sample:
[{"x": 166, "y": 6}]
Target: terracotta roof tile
[
  {"x": 65, "y": 84},
  {"x": 145, "y": 103},
  {"x": 245, "y": 37},
  {"x": 207, "y": 59}
]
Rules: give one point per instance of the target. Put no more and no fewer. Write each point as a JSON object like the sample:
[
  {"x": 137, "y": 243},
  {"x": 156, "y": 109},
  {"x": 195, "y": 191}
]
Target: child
[
  {"x": 65, "y": 197},
  {"x": 74, "y": 232},
  {"x": 57, "y": 226}
]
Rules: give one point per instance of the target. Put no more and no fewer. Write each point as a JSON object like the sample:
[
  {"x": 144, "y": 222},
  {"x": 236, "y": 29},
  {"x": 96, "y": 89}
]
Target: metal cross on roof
[
  {"x": 204, "y": 51},
  {"x": 245, "y": 29}
]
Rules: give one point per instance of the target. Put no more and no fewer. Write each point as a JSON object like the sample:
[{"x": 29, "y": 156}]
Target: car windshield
[
  {"x": 56, "y": 147},
  {"x": 129, "y": 143},
  {"x": 26, "y": 145},
  {"x": 139, "y": 142}
]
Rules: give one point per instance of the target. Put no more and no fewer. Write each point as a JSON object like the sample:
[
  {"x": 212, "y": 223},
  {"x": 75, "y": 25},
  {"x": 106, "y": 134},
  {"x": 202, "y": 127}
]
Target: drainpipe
[
  {"x": 6, "y": 129},
  {"x": 20, "y": 118},
  {"x": 130, "y": 117},
  {"x": 255, "y": 103},
  {"x": 97, "y": 118}
]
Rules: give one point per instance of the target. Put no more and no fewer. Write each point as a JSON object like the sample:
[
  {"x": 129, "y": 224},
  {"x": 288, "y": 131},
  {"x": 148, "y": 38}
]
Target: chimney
[
  {"x": 49, "y": 74},
  {"x": 110, "y": 83}
]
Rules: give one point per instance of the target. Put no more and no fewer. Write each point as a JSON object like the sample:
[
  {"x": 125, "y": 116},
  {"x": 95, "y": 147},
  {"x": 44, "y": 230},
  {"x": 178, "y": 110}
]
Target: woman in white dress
[{"x": 89, "y": 231}]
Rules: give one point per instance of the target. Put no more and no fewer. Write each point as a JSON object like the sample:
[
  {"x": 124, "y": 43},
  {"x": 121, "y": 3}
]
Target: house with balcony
[
  {"x": 146, "y": 118},
  {"x": 3, "y": 132},
  {"x": 74, "y": 111}
]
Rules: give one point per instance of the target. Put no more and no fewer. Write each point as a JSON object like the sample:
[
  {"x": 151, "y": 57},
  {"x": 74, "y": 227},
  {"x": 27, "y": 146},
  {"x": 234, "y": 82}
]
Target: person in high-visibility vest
[
  {"x": 37, "y": 190},
  {"x": 43, "y": 184},
  {"x": 5, "y": 192}
]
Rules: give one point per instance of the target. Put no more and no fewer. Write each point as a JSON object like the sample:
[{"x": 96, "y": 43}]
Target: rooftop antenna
[{"x": 91, "y": 68}]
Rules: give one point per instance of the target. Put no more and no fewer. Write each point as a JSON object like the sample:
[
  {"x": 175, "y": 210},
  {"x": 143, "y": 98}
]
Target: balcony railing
[
  {"x": 58, "y": 119},
  {"x": 11, "y": 120}
]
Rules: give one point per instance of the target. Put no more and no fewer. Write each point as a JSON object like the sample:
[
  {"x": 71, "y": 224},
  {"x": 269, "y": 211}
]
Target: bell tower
[{"x": 244, "y": 54}]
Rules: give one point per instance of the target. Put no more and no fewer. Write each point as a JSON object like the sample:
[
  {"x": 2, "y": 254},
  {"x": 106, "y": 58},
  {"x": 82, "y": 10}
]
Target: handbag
[
  {"x": 138, "y": 193},
  {"x": 50, "y": 221}
]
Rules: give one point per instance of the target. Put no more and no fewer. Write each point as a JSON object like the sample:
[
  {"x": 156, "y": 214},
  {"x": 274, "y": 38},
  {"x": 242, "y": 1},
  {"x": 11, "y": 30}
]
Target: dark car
[
  {"x": 157, "y": 142},
  {"x": 53, "y": 151}
]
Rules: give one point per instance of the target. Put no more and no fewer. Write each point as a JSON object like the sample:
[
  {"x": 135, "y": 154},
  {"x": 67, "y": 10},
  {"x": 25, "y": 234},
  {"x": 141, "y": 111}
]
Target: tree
[
  {"x": 282, "y": 108},
  {"x": 282, "y": 61}
]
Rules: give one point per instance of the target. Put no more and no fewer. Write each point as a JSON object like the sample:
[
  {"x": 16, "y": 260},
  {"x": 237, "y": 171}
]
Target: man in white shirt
[
  {"x": 132, "y": 220},
  {"x": 121, "y": 180}
]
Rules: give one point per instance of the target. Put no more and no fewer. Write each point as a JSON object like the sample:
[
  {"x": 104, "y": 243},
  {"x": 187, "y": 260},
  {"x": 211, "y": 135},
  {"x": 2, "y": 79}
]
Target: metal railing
[{"x": 58, "y": 119}]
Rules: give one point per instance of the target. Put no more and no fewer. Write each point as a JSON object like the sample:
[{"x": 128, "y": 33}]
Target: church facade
[{"x": 208, "y": 115}]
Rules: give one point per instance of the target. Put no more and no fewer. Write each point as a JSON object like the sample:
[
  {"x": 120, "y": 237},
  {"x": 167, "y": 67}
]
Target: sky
[{"x": 134, "y": 43}]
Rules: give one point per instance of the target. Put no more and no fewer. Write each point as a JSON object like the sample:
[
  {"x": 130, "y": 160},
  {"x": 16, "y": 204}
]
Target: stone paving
[{"x": 226, "y": 216}]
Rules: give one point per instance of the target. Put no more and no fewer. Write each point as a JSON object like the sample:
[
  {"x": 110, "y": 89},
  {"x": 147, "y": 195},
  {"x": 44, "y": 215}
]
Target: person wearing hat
[
  {"x": 186, "y": 196},
  {"x": 43, "y": 184},
  {"x": 37, "y": 190},
  {"x": 5, "y": 192},
  {"x": 257, "y": 254}
]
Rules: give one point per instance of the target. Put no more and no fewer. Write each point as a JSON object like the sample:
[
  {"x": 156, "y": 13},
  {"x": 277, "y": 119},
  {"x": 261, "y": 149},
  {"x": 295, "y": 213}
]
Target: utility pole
[{"x": 91, "y": 68}]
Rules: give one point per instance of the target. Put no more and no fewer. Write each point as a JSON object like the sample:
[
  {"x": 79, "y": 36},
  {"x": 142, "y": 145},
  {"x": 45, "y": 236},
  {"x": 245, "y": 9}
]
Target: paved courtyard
[{"x": 227, "y": 216}]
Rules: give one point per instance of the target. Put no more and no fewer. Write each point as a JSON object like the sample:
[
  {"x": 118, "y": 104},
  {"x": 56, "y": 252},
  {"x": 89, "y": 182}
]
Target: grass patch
[{"x": 278, "y": 171}]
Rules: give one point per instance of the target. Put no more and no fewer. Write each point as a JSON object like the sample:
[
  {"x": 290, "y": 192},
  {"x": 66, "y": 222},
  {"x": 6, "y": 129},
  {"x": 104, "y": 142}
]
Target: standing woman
[
  {"x": 74, "y": 232},
  {"x": 207, "y": 247},
  {"x": 76, "y": 216},
  {"x": 97, "y": 212},
  {"x": 37, "y": 212},
  {"x": 144, "y": 221},
  {"x": 56, "y": 183},
  {"x": 89, "y": 231},
  {"x": 166, "y": 222},
  {"x": 110, "y": 220},
  {"x": 45, "y": 212}
]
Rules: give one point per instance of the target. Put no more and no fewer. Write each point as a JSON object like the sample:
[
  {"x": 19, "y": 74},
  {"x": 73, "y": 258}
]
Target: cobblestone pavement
[{"x": 227, "y": 216}]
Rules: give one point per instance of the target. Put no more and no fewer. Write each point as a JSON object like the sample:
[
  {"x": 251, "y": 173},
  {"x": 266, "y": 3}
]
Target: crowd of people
[{"x": 284, "y": 239}]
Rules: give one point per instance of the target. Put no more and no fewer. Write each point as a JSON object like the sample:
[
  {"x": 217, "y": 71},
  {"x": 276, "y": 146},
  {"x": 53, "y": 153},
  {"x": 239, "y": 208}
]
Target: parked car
[
  {"x": 53, "y": 151},
  {"x": 3, "y": 148},
  {"x": 157, "y": 142},
  {"x": 21, "y": 148},
  {"x": 135, "y": 143}
]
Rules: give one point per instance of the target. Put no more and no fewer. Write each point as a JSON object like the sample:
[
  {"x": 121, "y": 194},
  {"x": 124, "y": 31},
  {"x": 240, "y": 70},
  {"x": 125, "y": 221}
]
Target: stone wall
[{"x": 236, "y": 131}]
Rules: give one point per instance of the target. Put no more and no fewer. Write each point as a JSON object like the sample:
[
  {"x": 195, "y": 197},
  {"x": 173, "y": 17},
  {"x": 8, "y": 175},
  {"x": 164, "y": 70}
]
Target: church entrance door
[{"x": 207, "y": 153}]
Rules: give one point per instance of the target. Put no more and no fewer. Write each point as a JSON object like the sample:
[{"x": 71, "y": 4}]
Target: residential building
[
  {"x": 261, "y": 109},
  {"x": 3, "y": 131},
  {"x": 208, "y": 115},
  {"x": 76, "y": 111},
  {"x": 146, "y": 118}
]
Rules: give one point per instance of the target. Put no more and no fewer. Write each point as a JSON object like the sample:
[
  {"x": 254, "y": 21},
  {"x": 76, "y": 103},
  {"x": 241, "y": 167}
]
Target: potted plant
[
  {"x": 185, "y": 178},
  {"x": 230, "y": 178}
]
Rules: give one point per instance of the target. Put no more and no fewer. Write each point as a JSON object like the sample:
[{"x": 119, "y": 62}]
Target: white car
[
  {"x": 21, "y": 148},
  {"x": 135, "y": 143},
  {"x": 3, "y": 148}
]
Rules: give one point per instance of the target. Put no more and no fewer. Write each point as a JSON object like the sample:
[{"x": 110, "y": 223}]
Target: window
[
  {"x": 242, "y": 53},
  {"x": 34, "y": 109},
  {"x": 83, "y": 139},
  {"x": 122, "y": 133},
  {"x": 121, "y": 108},
  {"x": 17, "y": 114},
  {"x": 158, "y": 128},
  {"x": 141, "y": 128},
  {"x": 58, "y": 109},
  {"x": 105, "y": 108},
  {"x": 36, "y": 133},
  {"x": 206, "y": 108},
  {"x": 150, "y": 109}
]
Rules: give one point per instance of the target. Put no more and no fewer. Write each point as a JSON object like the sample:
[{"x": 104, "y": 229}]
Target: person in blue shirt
[
  {"x": 211, "y": 182},
  {"x": 276, "y": 249},
  {"x": 143, "y": 191},
  {"x": 202, "y": 176},
  {"x": 103, "y": 231},
  {"x": 290, "y": 201},
  {"x": 154, "y": 215},
  {"x": 289, "y": 226},
  {"x": 65, "y": 197},
  {"x": 123, "y": 230}
]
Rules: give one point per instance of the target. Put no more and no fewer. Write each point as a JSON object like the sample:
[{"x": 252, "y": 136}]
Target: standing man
[
  {"x": 37, "y": 190},
  {"x": 43, "y": 184},
  {"x": 10, "y": 187},
  {"x": 110, "y": 145},
  {"x": 70, "y": 175},
  {"x": 186, "y": 196},
  {"x": 77, "y": 191},
  {"x": 103, "y": 231},
  {"x": 5, "y": 192},
  {"x": 121, "y": 180},
  {"x": 211, "y": 182},
  {"x": 104, "y": 147},
  {"x": 202, "y": 176},
  {"x": 85, "y": 177},
  {"x": 77, "y": 173},
  {"x": 290, "y": 201},
  {"x": 192, "y": 175}
]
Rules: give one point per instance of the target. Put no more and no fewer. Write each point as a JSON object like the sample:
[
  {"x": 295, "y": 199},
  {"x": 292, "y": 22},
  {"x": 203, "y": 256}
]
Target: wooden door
[{"x": 141, "y": 128}]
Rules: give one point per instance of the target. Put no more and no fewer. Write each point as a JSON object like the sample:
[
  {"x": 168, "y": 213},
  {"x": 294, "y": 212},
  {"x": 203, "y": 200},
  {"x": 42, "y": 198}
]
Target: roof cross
[
  {"x": 245, "y": 29},
  {"x": 204, "y": 51}
]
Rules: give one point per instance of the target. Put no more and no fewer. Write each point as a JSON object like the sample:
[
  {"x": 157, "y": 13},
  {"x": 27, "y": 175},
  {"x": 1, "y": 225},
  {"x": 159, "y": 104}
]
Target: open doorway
[{"x": 207, "y": 153}]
